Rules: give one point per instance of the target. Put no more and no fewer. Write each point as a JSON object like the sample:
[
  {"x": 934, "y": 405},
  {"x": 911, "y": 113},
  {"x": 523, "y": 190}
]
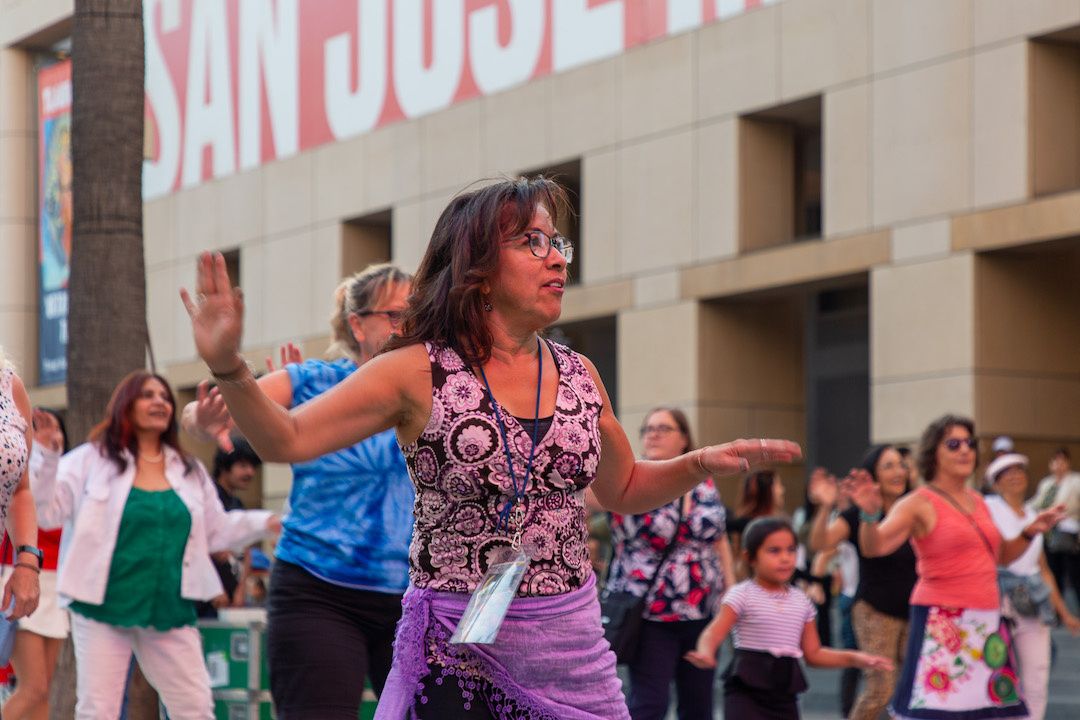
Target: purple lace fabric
[
  {"x": 458, "y": 465},
  {"x": 13, "y": 453},
  {"x": 568, "y": 676}
]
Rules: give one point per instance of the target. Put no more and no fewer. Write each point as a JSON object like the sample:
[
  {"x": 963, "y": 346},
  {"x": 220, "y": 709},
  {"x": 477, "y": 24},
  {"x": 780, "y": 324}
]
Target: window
[
  {"x": 365, "y": 240},
  {"x": 1054, "y": 100},
  {"x": 568, "y": 174},
  {"x": 780, "y": 178}
]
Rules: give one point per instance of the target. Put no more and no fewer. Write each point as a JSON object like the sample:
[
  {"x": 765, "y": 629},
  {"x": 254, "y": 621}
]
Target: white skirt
[{"x": 49, "y": 620}]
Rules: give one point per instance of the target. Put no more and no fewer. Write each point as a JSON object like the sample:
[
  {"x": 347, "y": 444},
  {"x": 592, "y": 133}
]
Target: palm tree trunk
[
  {"x": 107, "y": 317},
  {"x": 107, "y": 335}
]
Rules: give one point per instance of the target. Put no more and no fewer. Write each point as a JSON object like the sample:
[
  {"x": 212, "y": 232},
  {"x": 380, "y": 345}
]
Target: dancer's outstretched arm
[
  {"x": 382, "y": 394},
  {"x": 627, "y": 485}
]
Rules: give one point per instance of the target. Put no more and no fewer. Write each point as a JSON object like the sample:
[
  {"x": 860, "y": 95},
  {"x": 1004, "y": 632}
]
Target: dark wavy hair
[
  {"x": 933, "y": 435},
  {"x": 60, "y": 422},
  {"x": 116, "y": 433},
  {"x": 446, "y": 306},
  {"x": 241, "y": 452},
  {"x": 756, "y": 498},
  {"x": 758, "y": 530}
]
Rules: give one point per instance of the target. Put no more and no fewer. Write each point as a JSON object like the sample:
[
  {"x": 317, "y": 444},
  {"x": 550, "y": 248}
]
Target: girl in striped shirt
[{"x": 773, "y": 626}]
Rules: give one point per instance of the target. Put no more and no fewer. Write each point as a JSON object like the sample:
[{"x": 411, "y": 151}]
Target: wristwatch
[{"x": 36, "y": 552}]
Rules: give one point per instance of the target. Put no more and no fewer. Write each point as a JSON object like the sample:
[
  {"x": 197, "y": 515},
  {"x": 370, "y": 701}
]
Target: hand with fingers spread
[
  {"x": 1046, "y": 520},
  {"x": 212, "y": 416},
  {"x": 739, "y": 456},
  {"x": 865, "y": 493},
  {"x": 47, "y": 432},
  {"x": 823, "y": 489},
  {"x": 217, "y": 315},
  {"x": 290, "y": 353}
]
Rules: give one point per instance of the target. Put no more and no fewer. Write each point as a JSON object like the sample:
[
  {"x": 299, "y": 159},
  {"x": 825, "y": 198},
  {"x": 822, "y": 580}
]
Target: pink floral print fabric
[
  {"x": 13, "y": 453},
  {"x": 459, "y": 468}
]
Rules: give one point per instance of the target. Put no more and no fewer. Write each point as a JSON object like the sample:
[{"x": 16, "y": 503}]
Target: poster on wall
[{"x": 55, "y": 215}]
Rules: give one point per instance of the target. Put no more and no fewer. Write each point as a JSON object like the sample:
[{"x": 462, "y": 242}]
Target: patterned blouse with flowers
[
  {"x": 692, "y": 580},
  {"x": 458, "y": 465}
]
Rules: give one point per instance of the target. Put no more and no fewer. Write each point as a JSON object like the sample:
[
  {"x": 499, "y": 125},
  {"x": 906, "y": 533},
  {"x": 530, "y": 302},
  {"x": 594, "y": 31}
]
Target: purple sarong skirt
[{"x": 550, "y": 659}]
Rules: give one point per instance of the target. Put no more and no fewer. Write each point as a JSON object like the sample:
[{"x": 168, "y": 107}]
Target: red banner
[{"x": 232, "y": 84}]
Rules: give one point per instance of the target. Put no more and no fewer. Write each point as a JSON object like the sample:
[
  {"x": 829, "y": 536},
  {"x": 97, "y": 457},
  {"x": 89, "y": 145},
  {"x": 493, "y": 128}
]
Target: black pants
[
  {"x": 659, "y": 661},
  {"x": 322, "y": 640},
  {"x": 1066, "y": 570}
]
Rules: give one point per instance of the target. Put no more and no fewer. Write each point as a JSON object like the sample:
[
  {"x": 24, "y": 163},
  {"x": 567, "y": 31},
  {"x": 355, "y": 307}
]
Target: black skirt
[{"x": 762, "y": 686}]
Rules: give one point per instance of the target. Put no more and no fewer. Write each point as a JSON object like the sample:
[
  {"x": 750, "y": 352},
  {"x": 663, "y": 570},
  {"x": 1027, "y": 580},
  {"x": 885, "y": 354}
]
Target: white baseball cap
[{"x": 1003, "y": 443}]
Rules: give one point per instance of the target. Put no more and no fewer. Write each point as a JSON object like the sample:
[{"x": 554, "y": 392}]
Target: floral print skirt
[{"x": 959, "y": 665}]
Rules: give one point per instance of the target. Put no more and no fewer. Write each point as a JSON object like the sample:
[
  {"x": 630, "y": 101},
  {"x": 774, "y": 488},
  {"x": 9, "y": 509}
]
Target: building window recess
[
  {"x": 780, "y": 177},
  {"x": 568, "y": 174}
]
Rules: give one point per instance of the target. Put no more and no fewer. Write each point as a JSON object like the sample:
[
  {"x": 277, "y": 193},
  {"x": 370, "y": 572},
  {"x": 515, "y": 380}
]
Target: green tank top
[{"x": 144, "y": 577}]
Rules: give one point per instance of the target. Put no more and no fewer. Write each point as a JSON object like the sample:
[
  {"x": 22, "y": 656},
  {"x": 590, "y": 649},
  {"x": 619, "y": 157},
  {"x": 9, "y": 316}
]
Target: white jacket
[{"x": 85, "y": 492}]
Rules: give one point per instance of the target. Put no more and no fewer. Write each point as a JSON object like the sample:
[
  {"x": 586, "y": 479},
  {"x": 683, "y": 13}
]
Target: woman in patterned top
[
  {"x": 500, "y": 461},
  {"x": 16, "y": 503},
  {"x": 685, "y": 591}
]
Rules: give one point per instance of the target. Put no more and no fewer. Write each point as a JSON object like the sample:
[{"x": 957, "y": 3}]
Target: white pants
[
  {"x": 172, "y": 662},
  {"x": 1031, "y": 640}
]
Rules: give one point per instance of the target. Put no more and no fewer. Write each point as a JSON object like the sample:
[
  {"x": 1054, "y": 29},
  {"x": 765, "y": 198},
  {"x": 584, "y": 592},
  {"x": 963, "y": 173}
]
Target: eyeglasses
[
  {"x": 954, "y": 444},
  {"x": 394, "y": 317},
  {"x": 540, "y": 243},
  {"x": 657, "y": 430}
]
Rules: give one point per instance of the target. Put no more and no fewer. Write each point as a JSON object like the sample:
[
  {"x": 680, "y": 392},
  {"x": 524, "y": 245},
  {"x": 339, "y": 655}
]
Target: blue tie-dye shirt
[{"x": 350, "y": 512}]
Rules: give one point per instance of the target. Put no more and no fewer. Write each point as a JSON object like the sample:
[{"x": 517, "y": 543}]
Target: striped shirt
[{"x": 771, "y": 622}]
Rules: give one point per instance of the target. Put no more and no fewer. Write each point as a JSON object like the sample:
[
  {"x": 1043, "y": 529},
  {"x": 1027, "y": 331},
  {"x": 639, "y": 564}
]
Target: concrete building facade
[{"x": 827, "y": 220}]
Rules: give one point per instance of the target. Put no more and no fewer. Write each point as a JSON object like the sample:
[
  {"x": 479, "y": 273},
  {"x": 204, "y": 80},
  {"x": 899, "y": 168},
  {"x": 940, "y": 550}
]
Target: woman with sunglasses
[
  {"x": 678, "y": 557},
  {"x": 342, "y": 562},
  {"x": 502, "y": 432},
  {"x": 959, "y": 658}
]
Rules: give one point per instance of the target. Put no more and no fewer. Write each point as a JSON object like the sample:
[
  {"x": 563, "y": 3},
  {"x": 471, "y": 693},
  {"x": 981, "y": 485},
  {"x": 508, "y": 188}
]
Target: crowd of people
[{"x": 437, "y": 542}]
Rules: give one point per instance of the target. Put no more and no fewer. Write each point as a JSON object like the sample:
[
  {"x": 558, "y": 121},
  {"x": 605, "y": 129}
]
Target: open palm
[{"x": 217, "y": 314}]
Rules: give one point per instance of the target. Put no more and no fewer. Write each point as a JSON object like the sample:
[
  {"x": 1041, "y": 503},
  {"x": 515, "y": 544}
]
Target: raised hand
[
  {"x": 1046, "y": 520},
  {"x": 739, "y": 456},
  {"x": 865, "y": 493},
  {"x": 47, "y": 432},
  {"x": 823, "y": 488},
  {"x": 217, "y": 315},
  {"x": 289, "y": 354},
  {"x": 212, "y": 416}
]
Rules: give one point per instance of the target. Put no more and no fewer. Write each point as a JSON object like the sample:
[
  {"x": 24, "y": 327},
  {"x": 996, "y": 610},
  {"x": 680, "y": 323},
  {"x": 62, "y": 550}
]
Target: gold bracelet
[
  {"x": 28, "y": 566},
  {"x": 701, "y": 466}
]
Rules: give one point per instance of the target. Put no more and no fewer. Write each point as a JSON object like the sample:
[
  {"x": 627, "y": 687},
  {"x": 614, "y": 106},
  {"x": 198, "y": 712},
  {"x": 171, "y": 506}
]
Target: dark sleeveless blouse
[{"x": 458, "y": 466}]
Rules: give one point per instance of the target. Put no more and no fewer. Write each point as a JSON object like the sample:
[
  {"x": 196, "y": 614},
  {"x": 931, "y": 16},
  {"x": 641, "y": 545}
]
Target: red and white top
[{"x": 771, "y": 622}]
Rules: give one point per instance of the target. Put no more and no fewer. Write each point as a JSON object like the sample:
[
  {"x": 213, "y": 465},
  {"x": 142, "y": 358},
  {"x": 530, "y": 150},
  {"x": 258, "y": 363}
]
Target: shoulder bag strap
[
  {"x": 667, "y": 553},
  {"x": 970, "y": 519}
]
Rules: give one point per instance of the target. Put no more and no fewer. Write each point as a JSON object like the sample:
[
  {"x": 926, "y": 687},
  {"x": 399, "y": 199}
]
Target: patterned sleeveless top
[
  {"x": 458, "y": 466},
  {"x": 13, "y": 454}
]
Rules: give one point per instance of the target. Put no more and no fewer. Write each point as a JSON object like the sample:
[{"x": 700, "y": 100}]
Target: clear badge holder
[{"x": 487, "y": 607}]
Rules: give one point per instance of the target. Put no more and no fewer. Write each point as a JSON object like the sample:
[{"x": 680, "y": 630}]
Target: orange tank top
[{"x": 954, "y": 565}]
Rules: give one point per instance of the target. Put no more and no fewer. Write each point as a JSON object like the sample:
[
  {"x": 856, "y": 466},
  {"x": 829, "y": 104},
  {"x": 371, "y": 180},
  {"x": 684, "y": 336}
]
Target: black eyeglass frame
[
  {"x": 394, "y": 317},
  {"x": 540, "y": 244}
]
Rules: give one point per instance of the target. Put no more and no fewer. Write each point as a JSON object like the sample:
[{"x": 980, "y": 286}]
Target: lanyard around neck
[{"x": 519, "y": 492}]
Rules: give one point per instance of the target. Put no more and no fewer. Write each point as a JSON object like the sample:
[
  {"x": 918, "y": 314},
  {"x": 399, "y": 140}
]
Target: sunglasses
[{"x": 954, "y": 444}]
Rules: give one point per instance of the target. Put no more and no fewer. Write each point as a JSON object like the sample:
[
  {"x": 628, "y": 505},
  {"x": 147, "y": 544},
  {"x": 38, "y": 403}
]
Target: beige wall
[{"x": 942, "y": 122}]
